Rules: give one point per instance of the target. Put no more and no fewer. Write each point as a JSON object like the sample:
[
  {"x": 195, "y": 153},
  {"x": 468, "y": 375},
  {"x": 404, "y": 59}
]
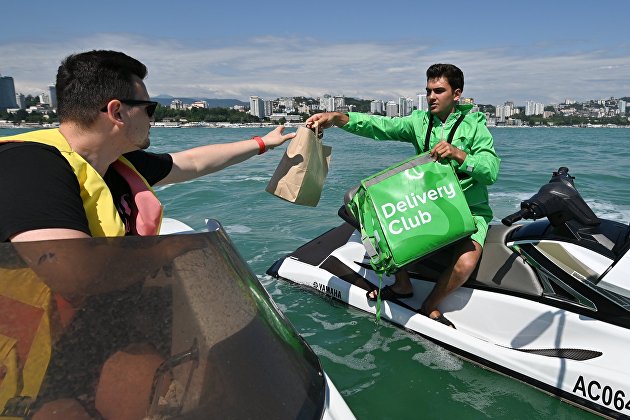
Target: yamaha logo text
[{"x": 328, "y": 290}]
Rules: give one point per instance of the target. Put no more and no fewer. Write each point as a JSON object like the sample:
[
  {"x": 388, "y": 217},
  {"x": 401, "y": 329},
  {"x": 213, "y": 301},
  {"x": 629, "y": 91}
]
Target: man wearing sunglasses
[
  {"x": 92, "y": 177},
  {"x": 98, "y": 151}
]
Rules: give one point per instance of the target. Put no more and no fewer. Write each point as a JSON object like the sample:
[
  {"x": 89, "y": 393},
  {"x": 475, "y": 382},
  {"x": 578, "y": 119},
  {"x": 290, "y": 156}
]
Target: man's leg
[
  {"x": 465, "y": 258},
  {"x": 124, "y": 388}
]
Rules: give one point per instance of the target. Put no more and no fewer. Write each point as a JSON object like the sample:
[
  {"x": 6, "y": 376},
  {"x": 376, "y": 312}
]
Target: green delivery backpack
[{"x": 410, "y": 210}]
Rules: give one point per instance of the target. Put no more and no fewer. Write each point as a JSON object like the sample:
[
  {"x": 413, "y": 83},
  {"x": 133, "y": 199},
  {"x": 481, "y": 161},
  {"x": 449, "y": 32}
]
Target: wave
[
  {"x": 237, "y": 229},
  {"x": 244, "y": 178}
]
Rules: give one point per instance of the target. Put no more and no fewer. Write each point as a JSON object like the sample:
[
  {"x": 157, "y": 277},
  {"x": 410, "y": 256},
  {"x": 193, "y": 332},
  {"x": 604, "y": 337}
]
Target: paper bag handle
[{"x": 318, "y": 136}]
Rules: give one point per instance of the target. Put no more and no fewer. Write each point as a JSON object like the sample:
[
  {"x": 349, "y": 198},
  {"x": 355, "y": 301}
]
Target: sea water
[{"x": 383, "y": 371}]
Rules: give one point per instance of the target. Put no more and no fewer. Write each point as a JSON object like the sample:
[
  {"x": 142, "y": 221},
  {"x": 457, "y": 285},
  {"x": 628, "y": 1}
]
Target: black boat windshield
[{"x": 224, "y": 350}]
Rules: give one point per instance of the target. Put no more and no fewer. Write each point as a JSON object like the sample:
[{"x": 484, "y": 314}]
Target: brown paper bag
[{"x": 300, "y": 176}]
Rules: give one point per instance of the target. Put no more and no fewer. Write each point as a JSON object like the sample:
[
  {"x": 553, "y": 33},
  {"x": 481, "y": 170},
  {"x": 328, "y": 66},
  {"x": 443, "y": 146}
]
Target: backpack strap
[
  {"x": 454, "y": 129},
  {"x": 450, "y": 135},
  {"x": 427, "y": 138}
]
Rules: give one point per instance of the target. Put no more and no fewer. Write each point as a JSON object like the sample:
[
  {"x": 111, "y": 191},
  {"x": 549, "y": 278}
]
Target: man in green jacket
[{"x": 471, "y": 153}]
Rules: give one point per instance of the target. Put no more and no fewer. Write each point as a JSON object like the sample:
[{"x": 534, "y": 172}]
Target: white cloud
[{"x": 271, "y": 67}]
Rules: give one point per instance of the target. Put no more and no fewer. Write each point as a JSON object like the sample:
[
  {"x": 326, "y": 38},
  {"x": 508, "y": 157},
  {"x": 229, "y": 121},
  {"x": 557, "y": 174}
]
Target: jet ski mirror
[{"x": 559, "y": 201}]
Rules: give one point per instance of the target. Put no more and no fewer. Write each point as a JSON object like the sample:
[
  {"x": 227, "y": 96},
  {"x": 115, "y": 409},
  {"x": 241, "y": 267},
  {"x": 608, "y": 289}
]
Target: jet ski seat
[{"x": 499, "y": 268}]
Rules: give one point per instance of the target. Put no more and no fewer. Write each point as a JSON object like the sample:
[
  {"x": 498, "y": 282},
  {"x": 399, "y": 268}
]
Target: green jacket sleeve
[
  {"x": 380, "y": 128},
  {"x": 482, "y": 162}
]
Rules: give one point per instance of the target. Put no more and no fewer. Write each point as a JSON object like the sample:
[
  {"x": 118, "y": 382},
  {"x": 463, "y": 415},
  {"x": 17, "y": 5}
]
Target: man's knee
[
  {"x": 124, "y": 388},
  {"x": 466, "y": 263}
]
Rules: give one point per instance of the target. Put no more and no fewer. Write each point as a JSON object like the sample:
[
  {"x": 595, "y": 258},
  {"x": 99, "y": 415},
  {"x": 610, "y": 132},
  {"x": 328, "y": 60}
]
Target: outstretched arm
[
  {"x": 371, "y": 126},
  {"x": 199, "y": 161},
  {"x": 327, "y": 120}
]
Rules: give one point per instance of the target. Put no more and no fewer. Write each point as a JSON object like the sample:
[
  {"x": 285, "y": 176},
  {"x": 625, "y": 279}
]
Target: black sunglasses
[{"x": 150, "y": 105}]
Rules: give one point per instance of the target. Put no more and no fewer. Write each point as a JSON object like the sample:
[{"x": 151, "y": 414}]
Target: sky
[{"x": 545, "y": 51}]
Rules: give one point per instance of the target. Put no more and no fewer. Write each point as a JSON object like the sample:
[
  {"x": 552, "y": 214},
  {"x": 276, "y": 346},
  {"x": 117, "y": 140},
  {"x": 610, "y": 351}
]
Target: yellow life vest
[
  {"x": 103, "y": 218},
  {"x": 26, "y": 337},
  {"x": 30, "y": 313}
]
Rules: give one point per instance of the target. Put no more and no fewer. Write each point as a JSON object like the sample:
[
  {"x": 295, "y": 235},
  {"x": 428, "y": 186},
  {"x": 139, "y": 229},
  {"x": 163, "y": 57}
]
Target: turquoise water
[{"x": 385, "y": 372}]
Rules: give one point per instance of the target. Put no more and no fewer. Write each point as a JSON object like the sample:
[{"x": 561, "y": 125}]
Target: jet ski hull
[{"x": 515, "y": 330}]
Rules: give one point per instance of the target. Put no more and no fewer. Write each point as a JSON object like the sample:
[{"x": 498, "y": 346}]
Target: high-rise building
[
  {"x": 287, "y": 103},
  {"x": 303, "y": 108},
  {"x": 177, "y": 104},
  {"x": 376, "y": 107},
  {"x": 327, "y": 103},
  {"x": 391, "y": 109},
  {"x": 622, "y": 107},
  {"x": 52, "y": 95},
  {"x": 529, "y": 108},
  {"x": 20, "y": 99},
  {"x": 256, "y": 106},
  {"x": 422, "y": 104},
  {"x": 500, "y": 113},
  {"x": 504, "y": 111},
  {"x": 340, "y": 102},
  {"x": 7, "y": 92},
  {"x": 405, "y": 106},
  {"x": 199, "y": 104},
  {"x": 534, "y": 108},
  {"x": 268, "y": 105}
]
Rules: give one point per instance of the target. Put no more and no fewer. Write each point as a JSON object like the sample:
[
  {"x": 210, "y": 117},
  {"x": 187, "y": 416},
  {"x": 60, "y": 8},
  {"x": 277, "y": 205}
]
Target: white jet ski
[{"x": 548, "y": 304}]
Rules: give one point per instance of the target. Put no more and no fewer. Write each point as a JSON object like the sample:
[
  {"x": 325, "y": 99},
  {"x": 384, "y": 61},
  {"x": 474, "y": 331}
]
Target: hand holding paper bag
[{"x": 300, "y": 176}]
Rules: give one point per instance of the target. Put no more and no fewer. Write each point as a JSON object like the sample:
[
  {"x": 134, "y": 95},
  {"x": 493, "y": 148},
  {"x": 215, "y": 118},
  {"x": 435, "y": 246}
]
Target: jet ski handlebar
[
  {"x": 515, "y": 217},
  {"x": 558, "y": 200}
]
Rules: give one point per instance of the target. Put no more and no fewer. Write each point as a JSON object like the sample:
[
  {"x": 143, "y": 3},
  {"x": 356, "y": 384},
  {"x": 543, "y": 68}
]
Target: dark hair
[
  {"x": 87, "y": 81},
  {"x": 452, "y": 73}
]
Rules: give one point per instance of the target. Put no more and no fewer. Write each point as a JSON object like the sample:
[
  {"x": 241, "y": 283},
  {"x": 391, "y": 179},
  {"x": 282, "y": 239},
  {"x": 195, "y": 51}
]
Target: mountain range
[{"x": 166, "y": 100}]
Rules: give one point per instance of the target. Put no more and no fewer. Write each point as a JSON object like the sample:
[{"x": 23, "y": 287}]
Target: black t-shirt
[{"x": 39, "y": 190}]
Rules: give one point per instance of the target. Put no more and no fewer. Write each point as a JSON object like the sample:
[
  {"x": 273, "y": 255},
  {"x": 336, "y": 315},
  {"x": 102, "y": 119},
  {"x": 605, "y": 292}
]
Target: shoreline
[
  {"x": 287, "y": 124},
  {"x": 165, "y": 125}
]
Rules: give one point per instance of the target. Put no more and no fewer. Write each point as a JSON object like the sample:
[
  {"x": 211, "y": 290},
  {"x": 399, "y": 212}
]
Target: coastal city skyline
[
  {"x": 8, "y": 90},
  {"x": 295, "y": 109},
  {"x": 10, "y": 97},
  {"x": 543, "y": 52},
  {"x": 7, "y": 80}
]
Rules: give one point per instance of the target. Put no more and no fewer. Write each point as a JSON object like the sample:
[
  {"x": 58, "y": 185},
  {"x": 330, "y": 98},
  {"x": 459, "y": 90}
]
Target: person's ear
[
  {"x": 113, "y": 112},
  {"x": 457, "y": 93}
]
